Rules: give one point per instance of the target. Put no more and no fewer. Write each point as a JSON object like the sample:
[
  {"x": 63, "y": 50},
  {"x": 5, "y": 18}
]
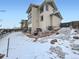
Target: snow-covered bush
[
  {"x": 75, "y": 45},
  {"x": 58, "y": 51}
]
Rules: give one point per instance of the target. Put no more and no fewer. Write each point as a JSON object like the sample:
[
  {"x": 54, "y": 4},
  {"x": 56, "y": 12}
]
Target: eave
[{"x": 30, "y": 7}]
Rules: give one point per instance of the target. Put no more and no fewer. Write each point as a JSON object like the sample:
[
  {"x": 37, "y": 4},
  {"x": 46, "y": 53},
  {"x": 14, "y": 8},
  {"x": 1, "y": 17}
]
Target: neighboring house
[
  {"x": 74, "y": 24},
  {"x": 24, "y": 24},
  {"x": 67, "y": 24},
  {"x": 43, "y": 16}
]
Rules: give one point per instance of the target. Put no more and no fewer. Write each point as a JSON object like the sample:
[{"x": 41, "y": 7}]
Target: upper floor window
[
  {"x": 41, "y": 10},
  {"x": 29, "y": 16},
  {"x": 46, "y": 7},
  {"x": 41, "y": 18}
]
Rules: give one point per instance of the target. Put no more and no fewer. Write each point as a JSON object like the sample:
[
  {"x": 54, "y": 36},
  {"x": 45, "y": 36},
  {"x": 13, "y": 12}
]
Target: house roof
[
  {"x": 57, "y": 13},
  {"x": 23, "y": 21},
  {"x": 75, "y": 21},
  {"x": 50, "y": 2},
  {"x": 71, "y": 22},
  {"x": 31, "y": 5}
]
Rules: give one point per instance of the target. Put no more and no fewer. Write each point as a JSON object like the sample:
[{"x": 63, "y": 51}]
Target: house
[
  {"x": 24, "y": 24},
  {"x": 73, "y": 24},
  {"x": 67, "y": 24},
  {"x": 43, "y": 16}
]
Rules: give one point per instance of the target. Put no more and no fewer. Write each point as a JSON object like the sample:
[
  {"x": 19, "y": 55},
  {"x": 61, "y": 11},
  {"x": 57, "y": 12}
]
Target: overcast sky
[{"x": 12, "y": 11}]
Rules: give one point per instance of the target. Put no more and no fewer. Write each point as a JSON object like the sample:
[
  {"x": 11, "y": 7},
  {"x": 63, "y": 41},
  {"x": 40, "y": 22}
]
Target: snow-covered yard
[{"x": 23, "y": 47}]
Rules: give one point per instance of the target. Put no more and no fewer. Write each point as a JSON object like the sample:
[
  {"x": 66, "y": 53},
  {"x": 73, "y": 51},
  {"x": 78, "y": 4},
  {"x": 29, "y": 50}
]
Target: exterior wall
[
  {"x": 30, "y": 25},
  {"x": 56, "y": 22},
  {"x": 75, "y": 24},
  {"x": 35, "y": 21},
  {"x": 30, "y": 19},
  {"x": 46, "y": 18},
  {"x": 35, "y": 18}
]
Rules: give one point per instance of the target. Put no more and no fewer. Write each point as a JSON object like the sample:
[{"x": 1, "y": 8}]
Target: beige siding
[
  {"x": 30, "y": 25},
  {"x": 35, "y": 18},
  {"x": 56, "y": 22},
  {"x": 46, "y": 14},
  {"x": 30, "y": 20},
  {"x": 48, "y": 20}
]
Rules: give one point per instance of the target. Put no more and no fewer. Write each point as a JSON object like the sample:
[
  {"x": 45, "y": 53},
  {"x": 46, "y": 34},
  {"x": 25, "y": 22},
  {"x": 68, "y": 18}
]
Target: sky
[{"x": 13, "y": 11}]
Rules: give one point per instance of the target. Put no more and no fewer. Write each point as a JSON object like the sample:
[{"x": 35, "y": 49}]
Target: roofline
[
  {"x": 34, "y": 5},
  {"x": 70, "y": 22},
  {"x": 30, "y": 6},
  {"x": 58, "y": 14},
  {"x": 75, "y": 21},
  {"x": 52, "y": 3}
]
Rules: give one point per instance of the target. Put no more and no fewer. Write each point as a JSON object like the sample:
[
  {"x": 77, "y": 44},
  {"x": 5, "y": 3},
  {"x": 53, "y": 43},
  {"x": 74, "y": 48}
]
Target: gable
[
  {"x": 49, "y": 2},
  {"x": 57, "y": 14},
  {"x": 30, "y": 7}
]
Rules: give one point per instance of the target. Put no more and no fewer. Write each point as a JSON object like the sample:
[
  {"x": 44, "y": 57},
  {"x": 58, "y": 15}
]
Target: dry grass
[{"x": 41, "y": 34}]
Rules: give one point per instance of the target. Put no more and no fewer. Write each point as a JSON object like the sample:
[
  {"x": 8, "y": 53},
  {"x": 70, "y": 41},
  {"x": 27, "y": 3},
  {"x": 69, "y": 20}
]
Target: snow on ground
[{"x": 23, "y": 47}]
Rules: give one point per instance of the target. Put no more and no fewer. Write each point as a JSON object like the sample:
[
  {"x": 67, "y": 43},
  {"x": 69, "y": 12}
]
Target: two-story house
[{"x": 43, "y": 16}]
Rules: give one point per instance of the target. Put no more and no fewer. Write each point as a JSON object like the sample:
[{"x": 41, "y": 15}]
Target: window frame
[
  {"x": 47, "y": 7},
  {"x": 42, "y": 18}
]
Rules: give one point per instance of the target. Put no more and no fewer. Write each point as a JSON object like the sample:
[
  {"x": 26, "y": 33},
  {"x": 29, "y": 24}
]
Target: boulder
[
  {"x": 76, "y": 37},
  {"x": 53, "y": 41},
  {"x": 58, "y": 51},
  {"x": 1, "y": 56}
]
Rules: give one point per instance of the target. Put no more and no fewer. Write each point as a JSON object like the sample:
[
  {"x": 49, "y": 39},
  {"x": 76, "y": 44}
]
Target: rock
[
  {"x": 76, "y": 37},
  {"x": 58, "y": 51},
  {"x": 53, "y": 41},
  {"x": 75, "y": 47},
  {"x": 57, "y": 33},
  {"x": 1, "y": 56}
]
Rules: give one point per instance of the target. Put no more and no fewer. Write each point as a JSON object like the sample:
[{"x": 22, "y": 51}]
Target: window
[
  {"x": 41, "y": 10},
  {"x": 29, "y": 16},
  {"x": 46, "y": 7},
  {"x": 41, "y": 18}
]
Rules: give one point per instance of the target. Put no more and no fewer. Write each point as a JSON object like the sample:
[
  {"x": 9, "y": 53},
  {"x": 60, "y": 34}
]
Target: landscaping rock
[
  {"x": 76, "y": 37},
  {"x": 57, "y": 33},
  {"x": 1, "y": 56},
  {"x": 53, "y": 41},
  {"x": 58, "y": 51}
]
